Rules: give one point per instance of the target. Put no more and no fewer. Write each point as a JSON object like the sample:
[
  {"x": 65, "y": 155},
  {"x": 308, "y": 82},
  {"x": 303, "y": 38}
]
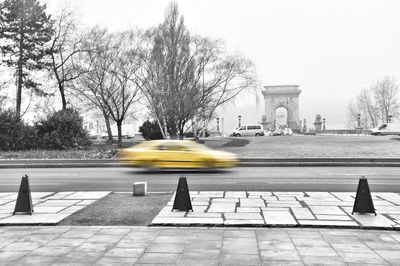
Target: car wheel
[
  {"x": 152, "y": 165},
  {"x": 378, "y": 134},
  {"x": 257, "y": 135},
  {"x": 238, "y": 135}
]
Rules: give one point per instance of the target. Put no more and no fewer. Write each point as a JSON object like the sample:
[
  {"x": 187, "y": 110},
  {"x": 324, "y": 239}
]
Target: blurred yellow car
[{"x": 159, "y": 154}]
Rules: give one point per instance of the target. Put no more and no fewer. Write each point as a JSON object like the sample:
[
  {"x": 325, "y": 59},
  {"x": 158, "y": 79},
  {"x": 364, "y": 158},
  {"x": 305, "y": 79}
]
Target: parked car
[
  {"x": 386, "y": 129},
  {"x": 310, "y": 132},
  {"x": 249, "y": 130},
  {"x": 267, "y": 132},
  {"x": 288, "y": 132},
  {"x": 277, "y": 132},
  {"x": 157, "y": 154}
]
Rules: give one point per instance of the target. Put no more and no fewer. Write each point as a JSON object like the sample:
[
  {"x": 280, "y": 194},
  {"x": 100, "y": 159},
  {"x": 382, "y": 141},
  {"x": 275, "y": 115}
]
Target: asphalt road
[{"x": 245, "y": 178}]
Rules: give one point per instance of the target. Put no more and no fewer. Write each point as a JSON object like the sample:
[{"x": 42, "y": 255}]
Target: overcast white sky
[{"x": 332, "y": 49}]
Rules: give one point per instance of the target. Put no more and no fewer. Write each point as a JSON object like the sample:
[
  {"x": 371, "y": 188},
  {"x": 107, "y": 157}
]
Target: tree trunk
[
  {"x": 166, "y": 128},
  {"x": 182, "y": 131},
  {"x": 62, "y": 93},
  {"x": 161, "y": 128},
  {"x": 19, "y": 89},
  {"x": 108, "y": 126},
  {"x": 20, "y": 70},
  {"x": 109, "y": 132},
  {"x": 173, "y": 133},
  {"x": 119, "y": 127}
]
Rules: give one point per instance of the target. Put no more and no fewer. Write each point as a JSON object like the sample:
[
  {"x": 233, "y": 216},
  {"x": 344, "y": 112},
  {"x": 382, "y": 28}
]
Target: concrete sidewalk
[
  {"x": 66, "y": 245},
  {"x": 265, "y": 208},
  {"x": 49, "y": 207}
]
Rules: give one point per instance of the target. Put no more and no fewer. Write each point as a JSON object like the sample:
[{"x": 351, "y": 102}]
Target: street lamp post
[
  {"x": 240, "y": 118},
  {"x": 359, "y": 128},
  {"x": 323, "y": 125},
  {"x": 218, "y": 125},
  {"x": 222, "y": 126}
]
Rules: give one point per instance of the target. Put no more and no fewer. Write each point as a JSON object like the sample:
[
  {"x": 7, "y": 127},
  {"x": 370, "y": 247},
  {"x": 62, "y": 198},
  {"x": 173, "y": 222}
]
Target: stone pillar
[
  {"x": 293, "y": 113},
  {"x": 270, "y": 113}
]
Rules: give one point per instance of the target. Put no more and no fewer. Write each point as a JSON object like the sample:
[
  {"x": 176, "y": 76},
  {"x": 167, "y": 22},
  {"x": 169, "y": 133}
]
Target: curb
[
  {"x": 244, "y": 162},
  {"x": 276, "y": 226}
]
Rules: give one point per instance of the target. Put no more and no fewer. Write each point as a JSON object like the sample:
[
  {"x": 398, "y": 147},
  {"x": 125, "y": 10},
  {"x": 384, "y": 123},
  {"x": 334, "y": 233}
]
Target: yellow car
[{"x": 158, "y": 154}]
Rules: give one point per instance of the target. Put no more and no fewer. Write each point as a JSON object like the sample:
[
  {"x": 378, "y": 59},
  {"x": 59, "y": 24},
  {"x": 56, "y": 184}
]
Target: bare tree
[
  {"x": 108, "y": 82},
  {"x": 65, "y": 45},
  {"x": 93, "y": 63},
  {"x": 123, "y": 94},
  {"x": 376, "y": 103},
  {"x": 352, "y": 114},
  {"x": 368, "y": 108},
  {"x": 185, "y": 77},
  {"x": 386, "y": 93}
]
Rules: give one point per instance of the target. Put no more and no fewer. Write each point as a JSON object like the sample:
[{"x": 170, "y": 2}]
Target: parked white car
[
  {"x": 267, "y": 132},
  {"x": 277, "y": 132},
  {"x": 288, "y": 132},
  {"x": 249, "y": 131},
  {"x": 386, "y": 129}
]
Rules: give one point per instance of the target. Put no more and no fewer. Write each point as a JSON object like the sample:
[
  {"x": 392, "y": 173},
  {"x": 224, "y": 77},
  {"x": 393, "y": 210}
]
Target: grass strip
[{"x": 120, "y": 209}]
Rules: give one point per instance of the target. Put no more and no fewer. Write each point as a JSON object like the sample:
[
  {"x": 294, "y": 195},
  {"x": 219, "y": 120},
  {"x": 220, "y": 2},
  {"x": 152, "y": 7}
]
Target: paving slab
[
  {"x": 88, "y": 195},
  {"x": 48, "y": 207},
  {"x": 222, "y": 207},
  {"x": 270, "y": 208}
]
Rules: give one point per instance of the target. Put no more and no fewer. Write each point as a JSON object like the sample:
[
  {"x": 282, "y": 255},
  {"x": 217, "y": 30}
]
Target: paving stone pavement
[
  {"x": 111, "y": 245},
  {"x": 230, "y": 208},
  {"x": 49, "y": 207}
]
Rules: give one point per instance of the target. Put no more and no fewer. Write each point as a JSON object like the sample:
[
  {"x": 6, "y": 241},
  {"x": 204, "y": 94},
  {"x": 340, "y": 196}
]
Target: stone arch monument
[{"x": 286, "y": 96}]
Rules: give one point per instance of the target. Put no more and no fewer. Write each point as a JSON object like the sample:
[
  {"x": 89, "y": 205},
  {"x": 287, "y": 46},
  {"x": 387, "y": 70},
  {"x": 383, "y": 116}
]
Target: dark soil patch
[
  {"x": 120, "y": 209},
  {"x": 236, "y": 143}
]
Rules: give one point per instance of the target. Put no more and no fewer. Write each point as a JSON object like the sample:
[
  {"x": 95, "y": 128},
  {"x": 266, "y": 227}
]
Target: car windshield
[{"x": 382, "y": 127}]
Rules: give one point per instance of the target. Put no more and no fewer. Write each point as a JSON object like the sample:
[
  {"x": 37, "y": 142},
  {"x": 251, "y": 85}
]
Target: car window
[
  {"x": 170, "y": 147},
  {"x": 175, "y": 147},
  {"x": 243, "y": 128},
  {"x": 161, "y": 147},
  {"x": 382, "y": 127}
]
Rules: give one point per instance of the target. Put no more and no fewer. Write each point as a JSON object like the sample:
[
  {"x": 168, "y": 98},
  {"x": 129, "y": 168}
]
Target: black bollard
[
  {"x": 182, "y": 198},
  {"x": 363, "y": 202},
  {"x": 24, "y": 200}
]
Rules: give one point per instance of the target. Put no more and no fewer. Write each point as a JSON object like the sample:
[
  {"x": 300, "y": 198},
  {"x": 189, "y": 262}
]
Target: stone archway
[{"x": 286, "y": 96}]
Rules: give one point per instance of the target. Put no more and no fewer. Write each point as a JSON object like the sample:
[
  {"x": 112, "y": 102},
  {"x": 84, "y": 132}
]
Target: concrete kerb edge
[
  {"x": 244, "y": 162},
  {"x": 221, "y": 226},
  {"x": 28, "y": 224},
  {"x": 276, "y": 226}
]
